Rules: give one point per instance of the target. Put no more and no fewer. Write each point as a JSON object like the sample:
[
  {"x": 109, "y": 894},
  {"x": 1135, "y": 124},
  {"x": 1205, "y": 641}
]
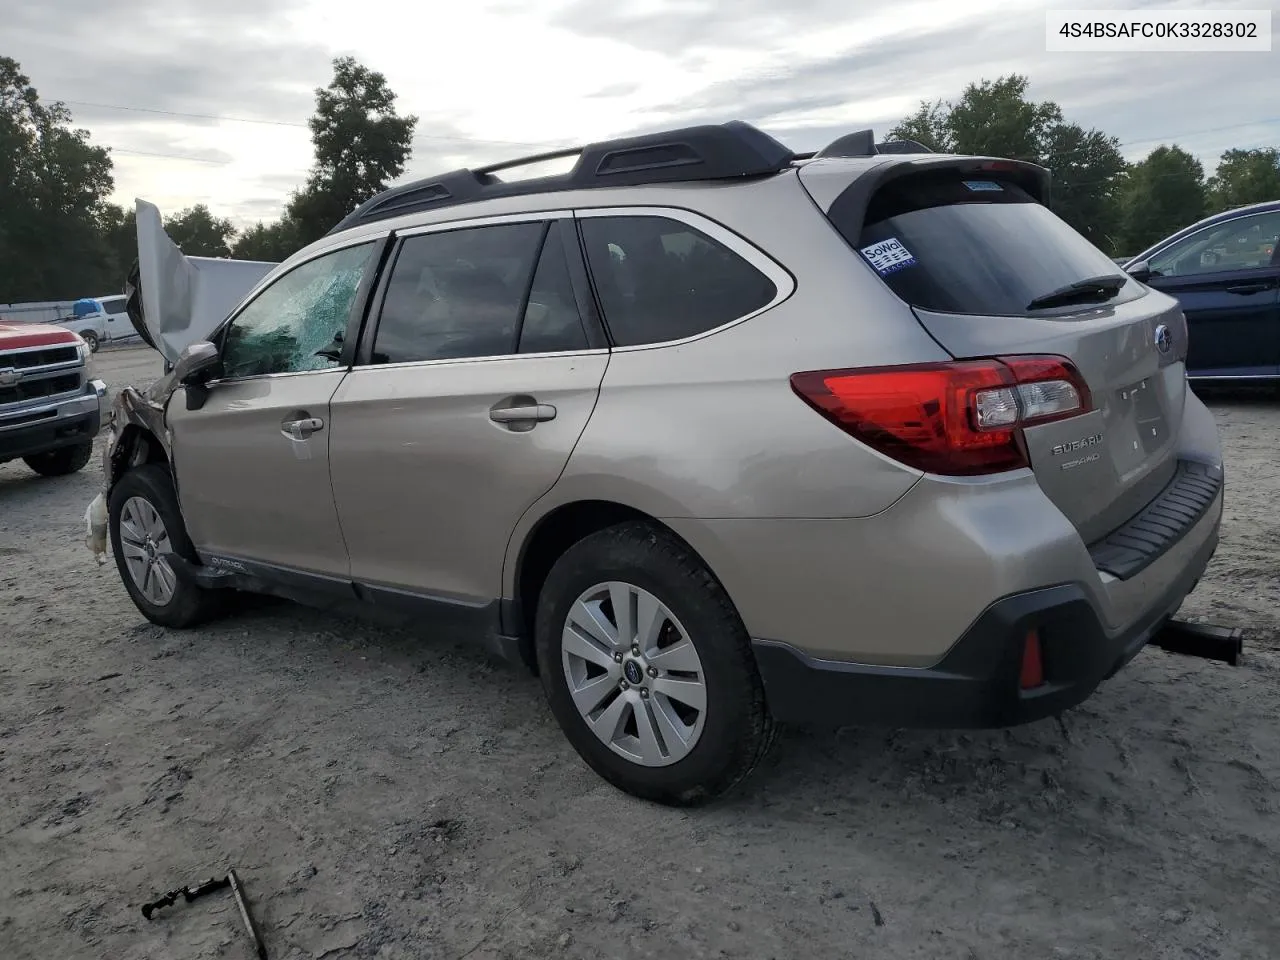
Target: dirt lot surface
[{"x": 390, "y": 795}]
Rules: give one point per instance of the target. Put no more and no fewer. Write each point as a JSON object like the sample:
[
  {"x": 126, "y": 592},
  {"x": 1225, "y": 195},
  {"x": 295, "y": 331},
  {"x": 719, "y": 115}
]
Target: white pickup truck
[
  {"x": 89, "y": 327},
  {"x": 108, "y": 323}
]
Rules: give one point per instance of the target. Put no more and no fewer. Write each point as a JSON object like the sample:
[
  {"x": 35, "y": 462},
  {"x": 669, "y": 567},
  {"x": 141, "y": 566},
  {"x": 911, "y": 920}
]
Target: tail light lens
[
  {"x": 1032, "y": 673},
  {"x": 958, "y": 418}
]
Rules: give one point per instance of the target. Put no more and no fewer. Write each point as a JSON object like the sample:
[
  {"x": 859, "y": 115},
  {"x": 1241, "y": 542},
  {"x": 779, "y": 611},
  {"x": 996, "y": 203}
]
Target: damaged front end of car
[
  {"x": 136, "y": 434},
  {"x": 174, "y": 302}
]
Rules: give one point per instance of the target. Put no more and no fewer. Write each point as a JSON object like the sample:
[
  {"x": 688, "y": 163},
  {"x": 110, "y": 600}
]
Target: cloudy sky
[{"x": 208, "y": 103}]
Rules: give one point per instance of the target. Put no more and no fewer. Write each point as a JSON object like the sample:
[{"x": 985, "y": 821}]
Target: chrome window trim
[
  {"x": 783, "y": 281},
  {"x": 491, "y": 220},
  {"x": 510, "y": 357}
]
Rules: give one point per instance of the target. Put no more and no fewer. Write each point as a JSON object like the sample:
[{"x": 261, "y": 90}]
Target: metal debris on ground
[
  {"x": 187, "y": 893},
  {"x": 209, "y": 886}
]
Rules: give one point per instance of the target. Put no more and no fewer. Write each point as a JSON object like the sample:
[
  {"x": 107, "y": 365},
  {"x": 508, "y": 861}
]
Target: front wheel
[
  {"x": 60, "y": 462},
  {"x": 145, "y": 524},
  {"x": 648, "y": 668}
]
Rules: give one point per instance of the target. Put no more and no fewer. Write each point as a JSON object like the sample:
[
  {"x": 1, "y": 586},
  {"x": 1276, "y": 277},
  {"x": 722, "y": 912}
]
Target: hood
[
  {"x": 15, "y": 336},
  {"x": 176, "y": 300}
]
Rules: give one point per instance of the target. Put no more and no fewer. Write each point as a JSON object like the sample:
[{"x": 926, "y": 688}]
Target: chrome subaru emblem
[
  {"x": 9, "y": 376},
  {"x": 1164, "y": 339}
]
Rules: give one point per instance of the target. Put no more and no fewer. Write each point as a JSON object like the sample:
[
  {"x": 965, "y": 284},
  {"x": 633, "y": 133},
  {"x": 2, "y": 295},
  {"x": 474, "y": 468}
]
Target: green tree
[
  {"x": 361, "y": 144},
  {"x": 1244, "y": 177},
  {"x": 199, "y": 233},
  {"x": 991, "y": 118},
  {"x": 1089, "y": 177},
  {"x": 929, "y": 125},
  {"x": 120, "y": 230},
  {"x": 997, "y": 118},
  {"x": 119, "y": 233},
  {"x": 270, "y": 242},
  {"x": 53, "y": 189},
  {"x": 1164, "y": 193}
]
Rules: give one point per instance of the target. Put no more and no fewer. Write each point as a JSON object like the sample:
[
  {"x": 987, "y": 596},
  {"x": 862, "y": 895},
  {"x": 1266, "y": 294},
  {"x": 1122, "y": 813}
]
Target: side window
[
  {"x": 113, "y": 306},
  {"x": 552, "y": 323},
  {"x": 659, "y": 279},
  {"x": 1244, "y": 244},
  {"x": 299, "y": 314},
  {"x": 457, "y": 294}
]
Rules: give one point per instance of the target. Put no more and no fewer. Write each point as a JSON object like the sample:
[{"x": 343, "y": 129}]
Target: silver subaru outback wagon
[{"x": 711, "y": 435}]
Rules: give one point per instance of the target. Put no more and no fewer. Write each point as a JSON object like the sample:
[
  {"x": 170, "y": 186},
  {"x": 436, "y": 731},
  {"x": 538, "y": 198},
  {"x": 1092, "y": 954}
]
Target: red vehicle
[{"x": 50, "y": 408}]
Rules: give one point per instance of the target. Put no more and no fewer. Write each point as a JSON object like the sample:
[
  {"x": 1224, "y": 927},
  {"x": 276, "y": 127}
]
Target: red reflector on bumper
[{"x": 1032, "y": 663}]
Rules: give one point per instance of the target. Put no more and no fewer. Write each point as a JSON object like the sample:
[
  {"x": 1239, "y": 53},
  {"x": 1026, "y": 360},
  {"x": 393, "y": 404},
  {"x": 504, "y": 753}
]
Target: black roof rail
[
  {"x": 710, "y": 152},
  {"x": 862, "y": 143},
  {"x": 902, "y": 146}
]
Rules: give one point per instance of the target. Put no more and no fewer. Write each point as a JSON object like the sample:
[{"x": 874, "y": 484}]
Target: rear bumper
[
  {"x": 977, "y": 683},
  {"x": 39, "y": 429}
]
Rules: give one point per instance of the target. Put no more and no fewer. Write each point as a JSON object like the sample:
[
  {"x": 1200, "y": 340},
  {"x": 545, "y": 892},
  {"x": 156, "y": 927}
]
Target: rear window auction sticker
[
  {"x": 979, "y": 186},
  {"x": 888, "y": 256}
]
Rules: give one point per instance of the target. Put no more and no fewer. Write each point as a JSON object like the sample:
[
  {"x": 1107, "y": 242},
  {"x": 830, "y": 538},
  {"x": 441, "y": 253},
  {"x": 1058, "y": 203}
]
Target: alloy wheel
[
  {"x": 634, "y": 674},
  {"x": 145, "y": 542}
]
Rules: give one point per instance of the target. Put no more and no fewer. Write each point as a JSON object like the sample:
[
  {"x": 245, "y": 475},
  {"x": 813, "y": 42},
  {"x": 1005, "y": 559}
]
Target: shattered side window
[{"x": 298, "y": 315}]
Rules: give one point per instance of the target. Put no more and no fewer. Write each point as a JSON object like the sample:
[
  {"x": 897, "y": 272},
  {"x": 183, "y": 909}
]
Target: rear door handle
[
  {"x": 534, "y": 413},
  {"x": 302, "y": 429},
  {"x": 1243, "y": 288}
]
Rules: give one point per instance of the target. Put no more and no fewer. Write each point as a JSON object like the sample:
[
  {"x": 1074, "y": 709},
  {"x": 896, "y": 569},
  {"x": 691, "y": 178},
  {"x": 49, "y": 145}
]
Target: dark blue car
[{"x": 1225, "y": 271}]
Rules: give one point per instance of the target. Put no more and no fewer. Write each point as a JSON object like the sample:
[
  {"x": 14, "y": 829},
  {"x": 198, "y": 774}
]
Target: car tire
[
  {"x": 697, "y": 755},
  {"x": 60, "y": 462},
  {"x": 144, "y": 502},
  {"x": 91, "y": 339}
]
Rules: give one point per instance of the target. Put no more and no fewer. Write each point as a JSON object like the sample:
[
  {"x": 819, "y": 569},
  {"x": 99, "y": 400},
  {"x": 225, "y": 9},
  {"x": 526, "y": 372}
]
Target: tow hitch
[{"x": 1205, "y": 640}]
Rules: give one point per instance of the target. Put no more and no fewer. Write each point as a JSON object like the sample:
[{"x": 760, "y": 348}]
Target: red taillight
[
  {"x": 1032, "y": 673},
  {"x": 958, "y": 418}
]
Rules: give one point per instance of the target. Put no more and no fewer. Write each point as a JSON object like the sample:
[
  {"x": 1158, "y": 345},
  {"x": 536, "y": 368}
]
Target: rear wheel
[
  {"x": 648, "y": 667},
  {"x": 60, "y": 462},
  {"x": 91, "y": 339},
  {"x": 145, "y": 524}
]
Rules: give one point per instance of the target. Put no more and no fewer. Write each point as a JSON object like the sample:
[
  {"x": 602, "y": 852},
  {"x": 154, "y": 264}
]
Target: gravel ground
[{"x": 390, "y": 795}]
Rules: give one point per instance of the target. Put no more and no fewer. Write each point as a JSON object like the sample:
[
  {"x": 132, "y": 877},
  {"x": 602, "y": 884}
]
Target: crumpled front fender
[
  {"x": 136, "y": 422},
  {"x": 143, "y": 411}
]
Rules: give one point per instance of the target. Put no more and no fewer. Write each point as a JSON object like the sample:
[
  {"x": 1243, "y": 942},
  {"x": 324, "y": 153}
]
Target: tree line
[
  {"x": 1121, "y": 207},
  {"x": 62, "y": 238}
]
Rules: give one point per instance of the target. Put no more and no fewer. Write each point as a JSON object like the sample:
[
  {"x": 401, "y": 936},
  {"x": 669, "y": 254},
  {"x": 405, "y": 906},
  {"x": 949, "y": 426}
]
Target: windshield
[{"x": 981, "y": 246}]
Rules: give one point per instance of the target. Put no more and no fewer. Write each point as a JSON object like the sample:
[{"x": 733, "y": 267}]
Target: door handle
[
  {"x": 1244, "y": 288},
  {"x": 533, "y": 413},
  {"x": 302, "y": 429}
]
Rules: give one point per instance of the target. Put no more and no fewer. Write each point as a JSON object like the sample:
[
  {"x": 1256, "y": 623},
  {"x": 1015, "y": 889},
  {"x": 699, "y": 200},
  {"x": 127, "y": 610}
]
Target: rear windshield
[{"x": 976, "y": 245}]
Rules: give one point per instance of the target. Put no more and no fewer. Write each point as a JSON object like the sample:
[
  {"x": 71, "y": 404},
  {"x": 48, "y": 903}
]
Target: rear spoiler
[
  {"x": 175, "y": 300},
  {"x": 850, "y": 207}
]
